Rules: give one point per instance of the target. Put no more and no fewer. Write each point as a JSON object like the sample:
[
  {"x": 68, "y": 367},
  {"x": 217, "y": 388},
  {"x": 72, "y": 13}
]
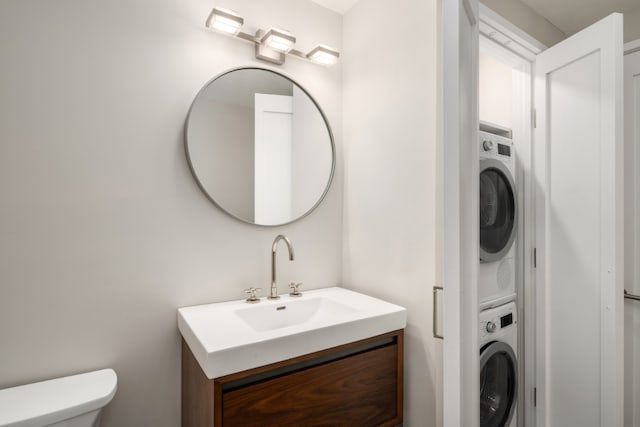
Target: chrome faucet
[{"x": 274, "y": 247}]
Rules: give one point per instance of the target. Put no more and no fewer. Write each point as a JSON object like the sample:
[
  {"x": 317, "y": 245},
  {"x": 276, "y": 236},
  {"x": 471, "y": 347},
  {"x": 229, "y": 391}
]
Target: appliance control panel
[
  {"x": 497, "y": 323},
  {"x": 495, "y": 146}
]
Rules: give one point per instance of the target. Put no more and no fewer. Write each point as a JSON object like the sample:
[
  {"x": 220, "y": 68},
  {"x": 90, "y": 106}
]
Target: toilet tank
[{"x": 70, "y": 401}]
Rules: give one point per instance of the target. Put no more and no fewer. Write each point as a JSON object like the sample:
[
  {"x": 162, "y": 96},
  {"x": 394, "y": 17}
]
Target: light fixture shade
[
  {"x": 324, "y": 55},
  {"x": 225, "y": 20},
  {"x": 278, "y": 39}
]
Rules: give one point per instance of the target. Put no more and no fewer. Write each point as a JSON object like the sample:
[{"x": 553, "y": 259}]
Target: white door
[
  {"x": 273, "y": 129},
  {"x": 632, "y": 232},
  {"x": 579, "y": 229},
  {"x": 461, "y": 405}
]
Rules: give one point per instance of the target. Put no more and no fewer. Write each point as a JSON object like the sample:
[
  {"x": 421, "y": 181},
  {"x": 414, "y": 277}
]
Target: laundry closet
[
  {"x": 503, "y": 150},
  {"x": 557, "y": 212}
]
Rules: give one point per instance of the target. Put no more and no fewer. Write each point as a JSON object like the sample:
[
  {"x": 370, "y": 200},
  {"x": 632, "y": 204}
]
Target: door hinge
[
  {"x": 534, "y": 118},
  {"x": 535, "y": 257},
  {"x": 535, "y": 397}
]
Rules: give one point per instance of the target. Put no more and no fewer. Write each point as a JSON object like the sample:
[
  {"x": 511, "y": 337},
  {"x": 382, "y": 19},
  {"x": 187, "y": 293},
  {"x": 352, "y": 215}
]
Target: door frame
[
  {"x": 631, "y": 47},
  {"x": 457, "y": 296},
  {"x": 459, "y": 241}
]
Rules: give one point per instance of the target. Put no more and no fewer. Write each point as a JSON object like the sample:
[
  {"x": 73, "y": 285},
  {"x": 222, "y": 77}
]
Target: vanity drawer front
[{"x": 358, "y": 390}]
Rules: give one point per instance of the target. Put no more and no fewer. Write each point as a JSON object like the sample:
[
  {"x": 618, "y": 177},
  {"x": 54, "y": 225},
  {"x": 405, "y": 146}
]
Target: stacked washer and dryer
[{"x": 497, "y": 282}]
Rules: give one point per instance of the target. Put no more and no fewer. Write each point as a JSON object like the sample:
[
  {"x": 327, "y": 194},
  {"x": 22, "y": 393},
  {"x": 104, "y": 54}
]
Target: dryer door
[
  {"x": 497, "y": 210},
  {"x": 498, "y": 384}
]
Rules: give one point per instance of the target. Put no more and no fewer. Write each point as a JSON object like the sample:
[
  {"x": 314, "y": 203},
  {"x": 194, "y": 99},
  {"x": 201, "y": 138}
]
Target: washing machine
[
  {"x": 498, "y": 217},
  {"x": 498, "y": 366}
]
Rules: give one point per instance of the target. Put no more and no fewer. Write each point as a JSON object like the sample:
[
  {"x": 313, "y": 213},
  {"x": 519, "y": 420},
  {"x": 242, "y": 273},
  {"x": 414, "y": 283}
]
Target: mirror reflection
[{"x": 259, "y": 146}]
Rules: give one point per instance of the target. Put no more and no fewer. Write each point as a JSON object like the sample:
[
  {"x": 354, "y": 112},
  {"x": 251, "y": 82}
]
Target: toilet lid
[{"x": 51, "y": 401}]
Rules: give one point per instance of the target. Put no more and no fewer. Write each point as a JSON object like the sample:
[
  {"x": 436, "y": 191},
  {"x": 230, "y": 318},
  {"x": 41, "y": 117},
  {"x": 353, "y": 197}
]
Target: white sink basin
[
  {"x": 234, "y": 336},
  {"x": 315, "y": 309}
]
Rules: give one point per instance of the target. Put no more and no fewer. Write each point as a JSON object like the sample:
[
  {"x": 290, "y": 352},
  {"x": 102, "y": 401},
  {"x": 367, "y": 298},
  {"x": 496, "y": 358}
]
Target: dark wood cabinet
[{"x": 357, "y": 384}]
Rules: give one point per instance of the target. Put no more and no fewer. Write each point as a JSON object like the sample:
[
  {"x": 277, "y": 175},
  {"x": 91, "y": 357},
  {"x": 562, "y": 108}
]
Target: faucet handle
[
  {"x": 295, "y": 292},
  {"x": 253, "y": 295}
]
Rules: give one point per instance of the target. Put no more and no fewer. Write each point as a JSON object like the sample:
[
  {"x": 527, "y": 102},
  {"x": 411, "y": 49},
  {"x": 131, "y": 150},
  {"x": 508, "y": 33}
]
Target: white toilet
[{"x": 74, "y": 401}]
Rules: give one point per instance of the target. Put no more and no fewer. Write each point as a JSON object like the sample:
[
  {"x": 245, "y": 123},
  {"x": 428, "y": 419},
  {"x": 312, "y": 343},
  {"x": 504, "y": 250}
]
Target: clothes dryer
[
  {"x": 498, "y": 366},
  {"x": 498, "y": 220}
]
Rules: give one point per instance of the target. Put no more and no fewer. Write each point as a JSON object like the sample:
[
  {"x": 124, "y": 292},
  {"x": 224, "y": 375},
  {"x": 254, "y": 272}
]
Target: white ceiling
[
  {"x": 340, "y": 6},
  {"x": 570, "y": 16}
]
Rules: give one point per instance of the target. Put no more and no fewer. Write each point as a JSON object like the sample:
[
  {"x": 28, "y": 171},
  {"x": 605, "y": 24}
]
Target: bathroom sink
[
  {"x": 235, "y": 336},
  {"x": 294, "y": 312}
]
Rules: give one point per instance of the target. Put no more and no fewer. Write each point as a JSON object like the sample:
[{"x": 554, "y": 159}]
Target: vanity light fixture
[
  {"x": 278, "y": 39},
  {"x": 324, "y": 55},
  {"x": 225, "y": 20},
  {"x": 272, "y": 45}
]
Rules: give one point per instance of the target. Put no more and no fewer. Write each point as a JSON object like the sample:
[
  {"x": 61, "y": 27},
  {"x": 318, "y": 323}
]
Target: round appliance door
[
  {"x": 497, "y": 210},
  {"x": 498, "y": 384}
]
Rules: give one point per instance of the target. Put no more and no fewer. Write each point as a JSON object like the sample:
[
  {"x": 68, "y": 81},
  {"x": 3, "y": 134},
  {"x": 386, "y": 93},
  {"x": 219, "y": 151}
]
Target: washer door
[
  {"x": 497, "y": 210},
  {"x": 498, "y": 384}
]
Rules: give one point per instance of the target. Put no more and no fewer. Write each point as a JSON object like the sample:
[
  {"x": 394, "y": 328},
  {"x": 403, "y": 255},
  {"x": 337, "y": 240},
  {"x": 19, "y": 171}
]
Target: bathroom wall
[
  {"x": 104, "y": 231},
  {"x": 390, "y": 105}
]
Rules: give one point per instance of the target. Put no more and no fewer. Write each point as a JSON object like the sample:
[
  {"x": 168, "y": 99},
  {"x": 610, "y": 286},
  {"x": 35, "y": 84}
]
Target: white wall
[
  {"x": 495, "y": 91},
  {"x": 104, "y": 231},
  {"x": 390, "y": 102}
]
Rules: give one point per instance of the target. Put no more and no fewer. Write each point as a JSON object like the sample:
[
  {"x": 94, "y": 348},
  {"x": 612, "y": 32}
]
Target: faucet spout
[{"x": 274, "y": 248}]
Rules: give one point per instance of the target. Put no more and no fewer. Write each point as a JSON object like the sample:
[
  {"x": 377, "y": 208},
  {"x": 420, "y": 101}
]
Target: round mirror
[{"x": 259, "y": 146}]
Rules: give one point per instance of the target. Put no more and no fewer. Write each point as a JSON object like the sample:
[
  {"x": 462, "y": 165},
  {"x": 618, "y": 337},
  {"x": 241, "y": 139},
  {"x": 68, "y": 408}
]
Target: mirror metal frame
[{"x": 324, "y": 118}]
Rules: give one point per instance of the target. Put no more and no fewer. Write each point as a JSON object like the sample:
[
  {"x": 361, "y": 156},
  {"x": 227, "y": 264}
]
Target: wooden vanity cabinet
[{"x": 357, "y": 384}]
